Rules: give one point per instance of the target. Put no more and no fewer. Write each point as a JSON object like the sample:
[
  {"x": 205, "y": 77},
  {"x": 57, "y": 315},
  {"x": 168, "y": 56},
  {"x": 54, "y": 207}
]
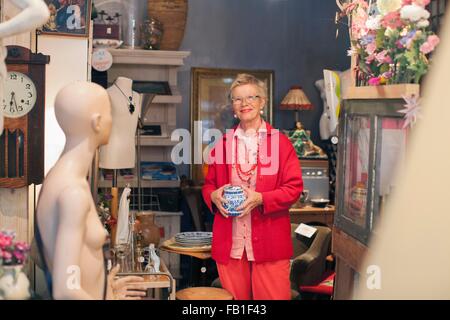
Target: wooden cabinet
[
  {"x": 373, "y": 139},
  {"x": 310, "y": 214}
]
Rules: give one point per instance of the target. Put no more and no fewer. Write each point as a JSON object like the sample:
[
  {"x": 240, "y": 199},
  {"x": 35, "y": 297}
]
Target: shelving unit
[{"x": 154, "y": 65}]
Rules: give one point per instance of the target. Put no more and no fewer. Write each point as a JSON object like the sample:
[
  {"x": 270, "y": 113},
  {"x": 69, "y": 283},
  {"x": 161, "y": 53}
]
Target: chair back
[{"x": 309, "y": 266}]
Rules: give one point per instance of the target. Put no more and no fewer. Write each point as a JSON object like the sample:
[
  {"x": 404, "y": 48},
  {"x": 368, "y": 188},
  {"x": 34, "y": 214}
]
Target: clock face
[{"x": 19, "y": 95}]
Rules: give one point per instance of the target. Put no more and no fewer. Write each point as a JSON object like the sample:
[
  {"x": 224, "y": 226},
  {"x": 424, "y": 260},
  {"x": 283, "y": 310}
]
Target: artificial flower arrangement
[
  {"x": 390, "y": 39},
  {"x": 12, "y": 253},
  {"x": 103, "y": 209}
]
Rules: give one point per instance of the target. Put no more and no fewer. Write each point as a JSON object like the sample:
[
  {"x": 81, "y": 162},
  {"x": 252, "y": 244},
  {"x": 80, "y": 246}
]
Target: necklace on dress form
[{"x": 131, "y": 106}]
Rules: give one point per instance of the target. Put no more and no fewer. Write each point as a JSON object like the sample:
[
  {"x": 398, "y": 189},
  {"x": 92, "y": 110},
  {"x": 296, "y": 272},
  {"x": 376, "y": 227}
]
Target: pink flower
[
  {"x": 5, "y": 241},
  {"x": 359, "y": 28},
  {"x": 433, "y": 40},
  {"x": 375, "y": 81},
  {"x": 387, "y": 75},
  {"x": 406, "y": 2},
  {"x": 429, "y": 46},
  {"x": 22, "y": 246},
  {"x": 371, "y": 47},
  {"x": 383, "y": 57},
  {"x": 6, "y": 255},
  {"x": 392, "y": 20},
  {"x": 19, "y": 256}
]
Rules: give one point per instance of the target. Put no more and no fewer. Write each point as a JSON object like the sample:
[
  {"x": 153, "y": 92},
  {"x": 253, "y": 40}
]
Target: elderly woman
[{"x": 252, "y": 251}]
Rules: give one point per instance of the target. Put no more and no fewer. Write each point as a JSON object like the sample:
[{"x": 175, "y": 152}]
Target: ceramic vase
[
  {"x": 148, "y": 229},
  {"x": 235, "y": 196},
  {"x": 14, "y": 284}
]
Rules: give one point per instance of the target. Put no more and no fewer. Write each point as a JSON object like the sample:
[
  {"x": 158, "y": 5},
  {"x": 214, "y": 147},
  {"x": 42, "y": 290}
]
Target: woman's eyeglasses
[{"x": 239, "y": 100}]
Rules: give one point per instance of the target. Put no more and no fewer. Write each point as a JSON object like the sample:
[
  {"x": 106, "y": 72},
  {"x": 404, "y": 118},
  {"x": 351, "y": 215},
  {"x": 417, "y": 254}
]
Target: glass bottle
[{"x": 151, "y": 34}]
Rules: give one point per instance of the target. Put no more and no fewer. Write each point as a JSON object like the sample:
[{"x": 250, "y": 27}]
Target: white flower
[
  {"x": 423, "y": 23},
  {"x": 386, "y": 6},
  {"x": 352, "y": 52},
  {"x": 390, "y": 32},
  {"x": 373, "y": 23},
  {"x": 412, "y": 110},
  {"x": 414, "y": 12}
]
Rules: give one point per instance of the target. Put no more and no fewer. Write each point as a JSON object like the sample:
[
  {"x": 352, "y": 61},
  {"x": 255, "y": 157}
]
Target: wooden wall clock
[{"x": 22, "y": 141}]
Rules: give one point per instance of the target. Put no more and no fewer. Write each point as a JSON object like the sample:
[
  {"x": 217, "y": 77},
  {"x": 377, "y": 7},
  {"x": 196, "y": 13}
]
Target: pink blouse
[{"x": 247, "y": 151}]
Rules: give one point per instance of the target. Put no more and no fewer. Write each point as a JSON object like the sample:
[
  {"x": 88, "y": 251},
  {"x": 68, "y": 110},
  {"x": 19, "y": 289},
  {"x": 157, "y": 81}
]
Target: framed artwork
[
  {"x": 68, "y": 17},
  {"x": 211, "y": 106}
]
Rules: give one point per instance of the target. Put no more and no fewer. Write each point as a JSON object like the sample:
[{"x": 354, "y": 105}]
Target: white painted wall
[{"x": 68, "y": 63}]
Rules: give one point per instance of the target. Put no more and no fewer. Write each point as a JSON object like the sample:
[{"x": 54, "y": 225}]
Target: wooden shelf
[
  {"x": 162, "y": 213},
  {"x": 157, "y": 141},
  {"x": 175, "y": 99},
  {"x": 393, "y": 91},
  {"x": 152, "y": 57},
  {"x": 121, "y": 183}
]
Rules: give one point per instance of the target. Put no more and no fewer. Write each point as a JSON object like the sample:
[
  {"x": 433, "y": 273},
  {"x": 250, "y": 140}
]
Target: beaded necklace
[
  {"x": 131, "y": 107},
  {"x": 246, "y": 175}
]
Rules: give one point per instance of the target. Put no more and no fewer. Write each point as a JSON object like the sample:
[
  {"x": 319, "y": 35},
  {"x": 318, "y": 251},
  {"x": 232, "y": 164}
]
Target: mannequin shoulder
[{"x": 74, "y": 202}]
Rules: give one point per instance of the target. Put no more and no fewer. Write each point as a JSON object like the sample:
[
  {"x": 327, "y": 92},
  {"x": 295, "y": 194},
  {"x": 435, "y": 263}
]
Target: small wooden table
[
  {"x": 312, "y": 214},
  {"x": 202, "y": 253},
  {"x": 203, "y": 293}
]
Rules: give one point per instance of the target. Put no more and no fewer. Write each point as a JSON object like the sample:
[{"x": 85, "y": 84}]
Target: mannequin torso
[
  {"x": 70, "y": 229},
  {"x": 120, "y": 152}
]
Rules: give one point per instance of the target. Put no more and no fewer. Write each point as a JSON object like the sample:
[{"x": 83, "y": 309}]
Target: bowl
[{"x": 320, "y": 203}]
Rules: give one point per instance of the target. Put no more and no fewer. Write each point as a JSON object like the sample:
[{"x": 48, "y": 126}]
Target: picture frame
[
  {"x": 155, "y": 87},
  {"x": 68, "y": 18},
  {"x": 211, "y": 105}
]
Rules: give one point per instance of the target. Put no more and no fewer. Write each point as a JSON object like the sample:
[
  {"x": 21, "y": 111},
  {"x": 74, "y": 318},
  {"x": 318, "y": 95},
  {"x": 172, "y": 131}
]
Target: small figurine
[
  {"x": 303, "y": 144},
  {"x": 153, "y": 260}
]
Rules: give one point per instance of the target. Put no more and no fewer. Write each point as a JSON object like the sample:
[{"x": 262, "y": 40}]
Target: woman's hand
[
  {"x": 218, "y": 199},
  {"x": 253, "y": 200},
  {"x": 125, "y": 288}
]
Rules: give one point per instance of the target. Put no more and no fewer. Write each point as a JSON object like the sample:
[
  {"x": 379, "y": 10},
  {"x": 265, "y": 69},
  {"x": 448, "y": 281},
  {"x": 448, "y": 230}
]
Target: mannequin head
[{"x": 83, "y": 111}]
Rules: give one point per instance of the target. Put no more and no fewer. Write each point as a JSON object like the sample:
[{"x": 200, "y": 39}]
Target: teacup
[{"x": 235, "y": 196}]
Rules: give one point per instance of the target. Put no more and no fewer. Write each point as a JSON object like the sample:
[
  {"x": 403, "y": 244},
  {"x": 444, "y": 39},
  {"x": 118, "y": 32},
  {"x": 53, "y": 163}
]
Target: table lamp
[{"x": 296, "y": 99}]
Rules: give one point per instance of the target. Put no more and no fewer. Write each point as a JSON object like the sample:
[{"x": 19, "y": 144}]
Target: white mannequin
[
  {"x": 71, "y": 231},
  {"x": 123, "y": 230},
  {"x": 120, "y": 152},
  {"x": 70, "y": 228},
  {"x": 33, "y": 15}
]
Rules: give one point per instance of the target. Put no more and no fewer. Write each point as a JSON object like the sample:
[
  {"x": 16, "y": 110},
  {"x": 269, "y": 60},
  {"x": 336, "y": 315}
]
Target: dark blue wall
[{"x": 295, "y": 38}]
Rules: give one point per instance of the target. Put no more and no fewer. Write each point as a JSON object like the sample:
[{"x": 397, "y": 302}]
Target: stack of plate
[{"x": 193, "y": 239}]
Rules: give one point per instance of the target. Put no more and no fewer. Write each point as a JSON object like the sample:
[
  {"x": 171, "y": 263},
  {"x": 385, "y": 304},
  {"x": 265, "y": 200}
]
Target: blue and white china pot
[{"x": 235, "y": 196}]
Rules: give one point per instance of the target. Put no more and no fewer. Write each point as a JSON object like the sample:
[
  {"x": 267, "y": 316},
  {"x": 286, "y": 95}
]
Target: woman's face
[{"x": 247, "y": 102}]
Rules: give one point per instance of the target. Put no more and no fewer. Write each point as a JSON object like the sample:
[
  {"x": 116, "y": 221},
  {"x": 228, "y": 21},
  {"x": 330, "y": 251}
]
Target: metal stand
[{"x": 147, "y": 99}]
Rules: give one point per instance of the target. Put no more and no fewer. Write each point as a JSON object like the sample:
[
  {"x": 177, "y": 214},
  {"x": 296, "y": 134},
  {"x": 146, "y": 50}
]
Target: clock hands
[
  {"x": 11, "y": 102},
  {"x": 13, "y": 96}
]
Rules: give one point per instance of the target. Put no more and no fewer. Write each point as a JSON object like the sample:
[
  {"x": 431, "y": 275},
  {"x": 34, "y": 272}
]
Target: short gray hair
[{"x": 245, "y": 78}]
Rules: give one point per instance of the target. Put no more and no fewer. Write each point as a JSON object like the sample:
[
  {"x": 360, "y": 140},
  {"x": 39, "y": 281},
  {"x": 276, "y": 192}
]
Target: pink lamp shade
[{"x": 296, "y": 99}]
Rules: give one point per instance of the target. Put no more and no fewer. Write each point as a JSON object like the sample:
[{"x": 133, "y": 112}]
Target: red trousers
[{"x": 248, "y": 280}]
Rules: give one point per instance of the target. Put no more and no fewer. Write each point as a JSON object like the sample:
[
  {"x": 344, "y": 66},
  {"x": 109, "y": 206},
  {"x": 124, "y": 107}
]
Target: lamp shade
[{"x": 296, "y": 99}]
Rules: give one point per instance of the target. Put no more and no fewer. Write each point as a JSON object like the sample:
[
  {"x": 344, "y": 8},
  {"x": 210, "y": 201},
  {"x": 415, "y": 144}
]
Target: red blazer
[{"x": 280, "y": 188}]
